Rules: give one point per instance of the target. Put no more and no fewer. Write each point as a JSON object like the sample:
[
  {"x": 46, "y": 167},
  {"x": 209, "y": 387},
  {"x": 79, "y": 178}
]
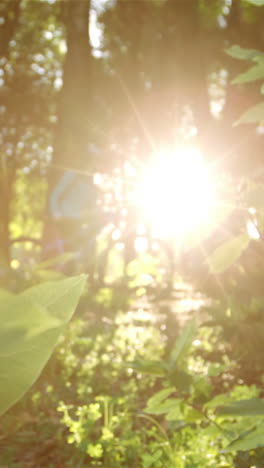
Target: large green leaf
[
  {"x": 255, "y": 73},
  {"x": 59, "y": 298},
  {"x": 243, "y": 408},
  {"x": 256, "y": 2},
  {"x": 250, "y": 440},
  {"x": 253, "y": 115},
  {"x": 22, "y": 319},
  {"x": 228, "y": 253},
  {"x": 243, "y": 54},
  {"x": 30, "y": 326}
]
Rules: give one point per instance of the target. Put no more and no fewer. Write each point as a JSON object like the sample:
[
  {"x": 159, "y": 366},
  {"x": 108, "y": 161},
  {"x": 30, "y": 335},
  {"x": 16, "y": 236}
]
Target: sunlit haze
[{"x": 177, "y": 192}]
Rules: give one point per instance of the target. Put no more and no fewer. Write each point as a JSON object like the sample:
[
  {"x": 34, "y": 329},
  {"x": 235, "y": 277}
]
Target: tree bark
[
  {"x": 5, "y": 198},
  {"x": 10, "y": 12},
  {"x": 72, "y": 133},
  {"x": 71, "y": 137}
]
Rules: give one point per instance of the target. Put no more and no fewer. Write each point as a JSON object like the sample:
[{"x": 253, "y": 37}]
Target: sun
[{"x": 177, "y": 193}]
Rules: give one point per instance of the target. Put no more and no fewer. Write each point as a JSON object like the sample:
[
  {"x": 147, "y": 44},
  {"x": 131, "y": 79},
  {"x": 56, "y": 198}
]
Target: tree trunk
[
  {"x": 5, "y": 198},
  {"x": 10, "y": 12},
  {"x": 72, "y": 134}
]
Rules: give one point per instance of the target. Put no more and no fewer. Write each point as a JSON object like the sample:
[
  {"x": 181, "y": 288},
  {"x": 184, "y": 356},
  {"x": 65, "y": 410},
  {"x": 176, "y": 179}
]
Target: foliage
[
  {"x": 256, "y": 2},
  {"x": 193, "y": 405},
  {"x": 126, "y": 425},
  {"x": 145, "y": 376},
  {"x": 30, "y": 325},
  {"x": 228, "y": 253}
]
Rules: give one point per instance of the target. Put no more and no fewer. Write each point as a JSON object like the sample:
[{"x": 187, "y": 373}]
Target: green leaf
[
  {"x": 150, "y": 460},
  {"x": 160, "y": 396},
  {"x": 218, "y": 400},
  {"x": 228, "y": 253},
  {"x": 256, "y": 2},
  {"x": 248, "y": 441},
  {"x": 183, "y": 343},
  {"x": 192, "y": 415},
  {"x": 243, "y": 408},
  {"x": 253, "y": 115},
  {"x": 21, "y": 319},
  {"x": 202, "y": 385},
  {"x": 165, "y": 407},
  {"x": 148, "y": 367},
  {"x": 30, "y": 326},
  {"x": 240, "y": 53},
  {"x": 5, "y": 295},
  {"x": 175, "y": 414},
  {"x": 181, "y": 379},
  {"x": 59, "y": 298},
  {"x": 255, "y": 73}
]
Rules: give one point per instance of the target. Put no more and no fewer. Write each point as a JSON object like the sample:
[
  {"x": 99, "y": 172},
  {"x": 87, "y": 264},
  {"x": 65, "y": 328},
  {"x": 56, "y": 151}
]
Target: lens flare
[{"x": 177, "y": 193}]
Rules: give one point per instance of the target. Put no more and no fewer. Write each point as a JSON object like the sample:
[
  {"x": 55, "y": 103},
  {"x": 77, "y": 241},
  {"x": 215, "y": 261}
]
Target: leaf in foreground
[
  {"x": 256, "y": 2},
  {"x": 30, "y": 326},
  {"x": 249, "y": 441},
  {"x": 253, "y": 74},
  {"x": 228, "y": 253},
  {"x": 245, "y": 408},
  {"x": 253, "y": 115},
  {"x": 241, "y": 53}
]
